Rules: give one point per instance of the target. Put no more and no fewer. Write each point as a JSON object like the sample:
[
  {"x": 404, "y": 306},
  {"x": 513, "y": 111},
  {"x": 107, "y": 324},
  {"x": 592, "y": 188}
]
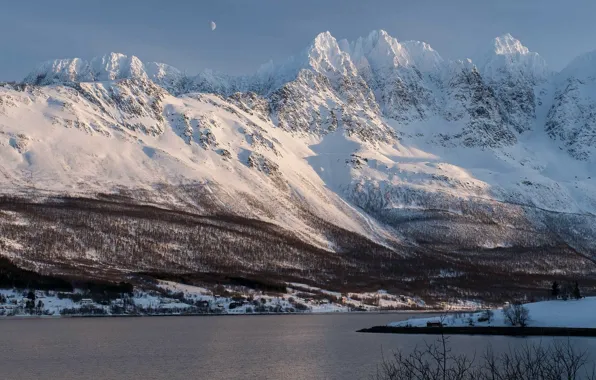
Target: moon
[{"x": 213, "y": 25}]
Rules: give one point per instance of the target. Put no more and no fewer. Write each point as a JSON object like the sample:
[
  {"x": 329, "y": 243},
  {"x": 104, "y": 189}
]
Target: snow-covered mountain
[
  {"x": 110, "y": 67},
  {"x": 382, "y": 138}
]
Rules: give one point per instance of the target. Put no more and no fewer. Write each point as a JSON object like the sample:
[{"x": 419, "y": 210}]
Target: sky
[{"x": 252, "y": 32}]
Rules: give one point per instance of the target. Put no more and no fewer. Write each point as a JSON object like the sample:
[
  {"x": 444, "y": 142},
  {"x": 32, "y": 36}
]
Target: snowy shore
[
  {"x": 557, "y": 313},
  {"x": 171, "y": 298}
]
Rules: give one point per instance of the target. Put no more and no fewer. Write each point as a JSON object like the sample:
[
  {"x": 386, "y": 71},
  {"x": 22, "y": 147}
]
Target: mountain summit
[
  {"x": 508, "y": 59},
  {"x": 112, "y": 66}
]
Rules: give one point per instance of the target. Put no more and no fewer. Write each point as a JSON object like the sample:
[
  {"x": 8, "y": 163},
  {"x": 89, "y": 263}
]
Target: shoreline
[
  {"x": 502, "y": 331},
  {"x": 24, "y": 317}
]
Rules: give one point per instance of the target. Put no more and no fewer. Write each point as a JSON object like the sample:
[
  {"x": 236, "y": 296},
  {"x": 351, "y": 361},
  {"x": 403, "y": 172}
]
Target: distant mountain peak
[
  {"x": 507, "y": 58},
  {"x": 324, "y": 38},
  {"x": 506, "y": 44},
  {"x": 116, "y": 66},
  {"x": 324, "y": 45},
  {"x": 108, "y": 67},
  {"x": 326, "y": 57}
]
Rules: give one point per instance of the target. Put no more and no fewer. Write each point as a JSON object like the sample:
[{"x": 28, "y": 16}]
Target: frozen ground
[{"x": 558, "y": 313}]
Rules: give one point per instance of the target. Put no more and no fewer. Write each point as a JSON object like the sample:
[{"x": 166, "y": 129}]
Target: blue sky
[{"x": 251, "y": 32}]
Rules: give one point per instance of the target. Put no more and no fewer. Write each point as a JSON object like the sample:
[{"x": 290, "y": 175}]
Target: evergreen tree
[
  {"x": 576, "y": 292},
  {"x": 556, "y": 289},
  {"x": 30, "y": 305}
]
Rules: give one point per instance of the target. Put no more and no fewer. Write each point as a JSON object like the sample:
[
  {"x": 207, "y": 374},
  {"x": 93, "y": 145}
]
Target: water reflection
[{"x": 238, "y": 347}]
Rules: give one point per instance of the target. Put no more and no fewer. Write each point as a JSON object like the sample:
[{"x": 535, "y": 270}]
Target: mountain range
[{"x": 365, "y": 161}]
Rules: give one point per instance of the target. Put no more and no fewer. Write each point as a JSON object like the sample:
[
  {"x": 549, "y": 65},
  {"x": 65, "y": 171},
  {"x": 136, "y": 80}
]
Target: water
[{"x": 211, "y": 348}]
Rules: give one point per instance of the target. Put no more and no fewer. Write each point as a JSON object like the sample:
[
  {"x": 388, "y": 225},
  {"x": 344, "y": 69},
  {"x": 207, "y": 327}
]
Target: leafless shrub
[
  {"x": 436, "y": 361},
  {"x": 516, "y": 315},
  {"x": 433, "y": 361}
]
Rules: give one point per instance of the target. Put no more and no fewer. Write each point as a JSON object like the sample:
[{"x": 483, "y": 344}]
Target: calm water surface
[{"x": 211, "y": 348}]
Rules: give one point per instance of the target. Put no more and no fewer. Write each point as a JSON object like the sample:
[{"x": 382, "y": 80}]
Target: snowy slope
[
  {"x": 573, "y": 313},
  {"x": 571, "y": 120},
  {"x": 106, "y": 135}
]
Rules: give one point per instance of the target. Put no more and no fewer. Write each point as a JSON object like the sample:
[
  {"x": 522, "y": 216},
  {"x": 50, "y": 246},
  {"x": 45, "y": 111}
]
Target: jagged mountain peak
[
  {"x": 323, "y": 55},
  {"x": 114, "y": 59},
  {"x": 507, "y": 59},
  {"x": 324, "y": 43},
  {"x": 324, "y": 39},
  {"x": 379, "y": 36},
  {"x": 115, "y": 66},
  {"x": 108, "y": 67},
  {"x": 380, "y": 50},
  {"x": 326, "y": 57},
  {"x": 162, "y": 71},
  {"x": 64, "y": 70},
  {"x": 423, "y": 56},
  {"x": 507, "y": 44}
]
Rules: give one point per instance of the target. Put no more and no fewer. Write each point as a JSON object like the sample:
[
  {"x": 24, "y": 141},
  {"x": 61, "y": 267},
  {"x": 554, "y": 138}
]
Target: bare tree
[
  {"x": 557, "y": 361},
  {"x": 516, "y": 315},
  {"x": 433, "y": 361}
]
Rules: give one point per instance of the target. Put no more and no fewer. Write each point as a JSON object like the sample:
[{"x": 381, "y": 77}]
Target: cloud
[{"x": 213, "y": 25}]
